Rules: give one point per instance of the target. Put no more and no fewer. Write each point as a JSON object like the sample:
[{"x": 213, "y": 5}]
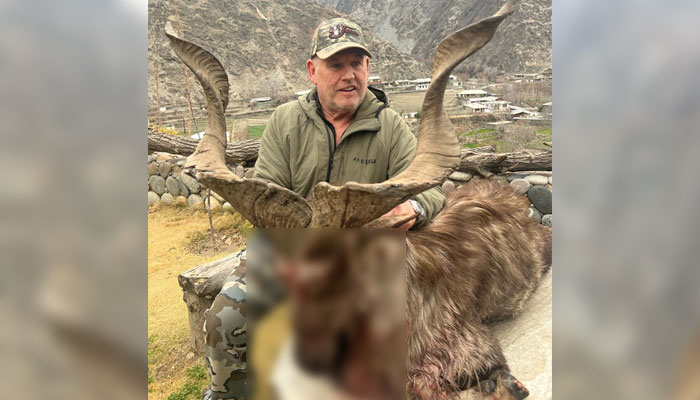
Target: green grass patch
[
  {"x": 545, "y": 132},
  {"x": 256, "y": 131},
  {"x": 472, "y": 145},
  {"x": 479, "y": 131},
  {"x": 192, "y": 388}
]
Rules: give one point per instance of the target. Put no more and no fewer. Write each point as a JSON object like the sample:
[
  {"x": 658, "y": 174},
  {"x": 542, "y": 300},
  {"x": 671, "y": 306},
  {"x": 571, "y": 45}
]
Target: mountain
[
  {"x": 523, "y": 43},
  {"x": 263, "y": 46}
]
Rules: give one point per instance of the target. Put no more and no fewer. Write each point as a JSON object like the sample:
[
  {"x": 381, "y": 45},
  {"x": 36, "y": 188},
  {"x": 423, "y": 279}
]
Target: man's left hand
[{"x": 405, "y": 208}]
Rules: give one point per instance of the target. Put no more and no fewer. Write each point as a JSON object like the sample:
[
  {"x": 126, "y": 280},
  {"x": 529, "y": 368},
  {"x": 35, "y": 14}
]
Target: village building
[
  {"x": 528, "y": 77},
  {"x": 498, "y": 105},
  {"x": 468, "y": 93},
  {"x": 260, "y": 101},
  {"x": 484, "y": 99},
  {"x": 546, "y": 108},
  {"x": 375, "y": 81},
  {"x": 476, "y": 108},
  {"x": 402, "y": 84},
  {"x": 422, "y": 83}
]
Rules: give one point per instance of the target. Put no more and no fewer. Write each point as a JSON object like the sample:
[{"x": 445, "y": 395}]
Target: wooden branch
[
  {"x": 478, "y": 161},
  {"x": 487, "y": 164},
  {"x": 236, "y": 153}
]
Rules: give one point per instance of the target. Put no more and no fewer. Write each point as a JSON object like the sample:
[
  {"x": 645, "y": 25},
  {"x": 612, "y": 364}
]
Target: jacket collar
[{"x": 367, "y": 115}]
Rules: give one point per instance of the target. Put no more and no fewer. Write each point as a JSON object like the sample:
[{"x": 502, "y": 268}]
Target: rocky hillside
[
  {"x": 522, "y": 44},
  {"x": 262, "y": 44}
]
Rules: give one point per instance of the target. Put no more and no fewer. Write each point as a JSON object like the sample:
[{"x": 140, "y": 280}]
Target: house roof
[
  {"x": 421, "y": 80},
  {"x": 483, "y": 99},
  {"x": 472, "y": 91},
  {"x": 476, "y": 106}
]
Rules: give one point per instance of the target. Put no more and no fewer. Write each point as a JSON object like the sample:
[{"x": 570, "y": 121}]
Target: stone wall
[
  {"x": 167, "y": 184},
  {"x": 536, "y": 185}
]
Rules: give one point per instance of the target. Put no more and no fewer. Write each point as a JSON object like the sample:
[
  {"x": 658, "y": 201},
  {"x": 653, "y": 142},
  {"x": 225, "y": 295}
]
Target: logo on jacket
[{"x": 365, "y": 160}]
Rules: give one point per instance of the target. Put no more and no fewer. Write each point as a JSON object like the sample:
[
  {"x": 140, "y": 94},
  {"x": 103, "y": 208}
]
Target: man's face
[{"x": 341, "y": 80}]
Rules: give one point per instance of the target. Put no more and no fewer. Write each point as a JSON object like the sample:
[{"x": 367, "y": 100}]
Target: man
[{"x": 341, "y": 131}]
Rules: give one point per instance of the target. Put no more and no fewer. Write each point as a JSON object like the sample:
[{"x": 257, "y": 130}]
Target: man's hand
[{"x": 405, "y": 208}]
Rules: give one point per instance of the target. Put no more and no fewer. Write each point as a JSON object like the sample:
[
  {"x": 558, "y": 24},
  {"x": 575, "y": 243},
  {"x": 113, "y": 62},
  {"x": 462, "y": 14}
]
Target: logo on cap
[{"x": 337, "y": 30}]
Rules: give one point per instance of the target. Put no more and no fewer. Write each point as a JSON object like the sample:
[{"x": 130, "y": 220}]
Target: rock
[
  {"x": 460, "y": 176},
  {"x": 151, "y": 158},
  {"x": 181, "y": 162},
  {"x": 164, "y": 157},
  {"x": 176, "y": 170},
  {"x": 249, "y": 173},
  {"x": 534, "y": 214},
  {"x": 547, "y": 219},
  {"x": 191, "y": 183},
  {"x": 172, "y": 185},
  {"x": 189, "y": 355},
  {"x": 164, "y": 169},
  {"x": 240, "y": 171},
  {"x": 157, "y": 184},
  {"x": 152, "y": 168},
  {"x": 536, "y": 179},
  {"x": 513, "y": 177},
  {"x": 448, "y": 186},
  {"x": 214, "y": 202},
  {"x": 217, "y": 196},
  {"x": 227, "y": 205},
  {"x": 167, "y": 198},
  {"x": 195, "y": 199},
  {"x": 541, "y": 197},
  {"x": 521, "y": 186},
  {"x": 153, "y": 198},
  {"x": 549, "y": 180},
  {"x": 526, "y": 341},
  {"x": 183, "y": 189},
  {"x": 502, "y": 180}
]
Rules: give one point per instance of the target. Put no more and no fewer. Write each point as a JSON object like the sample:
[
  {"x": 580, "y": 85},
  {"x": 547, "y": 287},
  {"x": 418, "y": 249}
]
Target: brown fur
[{"x": 479, "y": 260}]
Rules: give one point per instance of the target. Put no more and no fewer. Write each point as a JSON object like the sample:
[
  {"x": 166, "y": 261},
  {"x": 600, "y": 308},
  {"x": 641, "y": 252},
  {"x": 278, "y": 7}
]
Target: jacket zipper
[{"x": 331, "y": 151}]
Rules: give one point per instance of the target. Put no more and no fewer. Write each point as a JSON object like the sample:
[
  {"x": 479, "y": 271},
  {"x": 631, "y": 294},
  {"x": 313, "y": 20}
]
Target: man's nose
[{"x": 348, "y": 74}]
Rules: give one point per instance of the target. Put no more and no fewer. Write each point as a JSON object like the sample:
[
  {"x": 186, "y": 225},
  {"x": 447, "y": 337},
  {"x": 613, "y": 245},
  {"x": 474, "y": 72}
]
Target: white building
[
  {"x": 475, "y": 108},
  {"x": 471, "y": 93},
  {"x": 422, "y": 83}
]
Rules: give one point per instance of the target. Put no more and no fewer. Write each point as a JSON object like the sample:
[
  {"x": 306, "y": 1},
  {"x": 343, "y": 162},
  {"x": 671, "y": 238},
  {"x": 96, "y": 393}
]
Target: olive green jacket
[{"x": 298, "y": 148}]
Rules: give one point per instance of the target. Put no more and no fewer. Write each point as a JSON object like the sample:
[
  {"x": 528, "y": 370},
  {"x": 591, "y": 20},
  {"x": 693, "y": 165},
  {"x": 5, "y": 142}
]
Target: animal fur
[{"x": 478, "y": 261}]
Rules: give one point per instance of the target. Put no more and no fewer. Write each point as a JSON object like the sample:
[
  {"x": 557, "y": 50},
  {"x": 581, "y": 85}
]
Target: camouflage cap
[{"x": 337, "y": 34}]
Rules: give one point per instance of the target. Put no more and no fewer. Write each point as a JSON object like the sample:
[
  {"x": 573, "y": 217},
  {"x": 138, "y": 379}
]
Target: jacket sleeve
[
  {"x": 273, "y": 157},
  {"x": 403, "y": 150}
]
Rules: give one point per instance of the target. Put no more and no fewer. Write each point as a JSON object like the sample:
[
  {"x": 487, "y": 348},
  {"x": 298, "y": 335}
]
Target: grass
[
  {"x": 481, "y": 131},
  {"x": 256, "y": 131},
  {"x": 170, "y": 232},
  {"x": 196, "y": 379},
  {"x": 547, "y": 132}
]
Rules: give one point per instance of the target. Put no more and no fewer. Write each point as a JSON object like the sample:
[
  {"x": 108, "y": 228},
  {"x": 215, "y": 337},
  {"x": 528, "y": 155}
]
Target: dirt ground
[{"x": 179, "y": 239}]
